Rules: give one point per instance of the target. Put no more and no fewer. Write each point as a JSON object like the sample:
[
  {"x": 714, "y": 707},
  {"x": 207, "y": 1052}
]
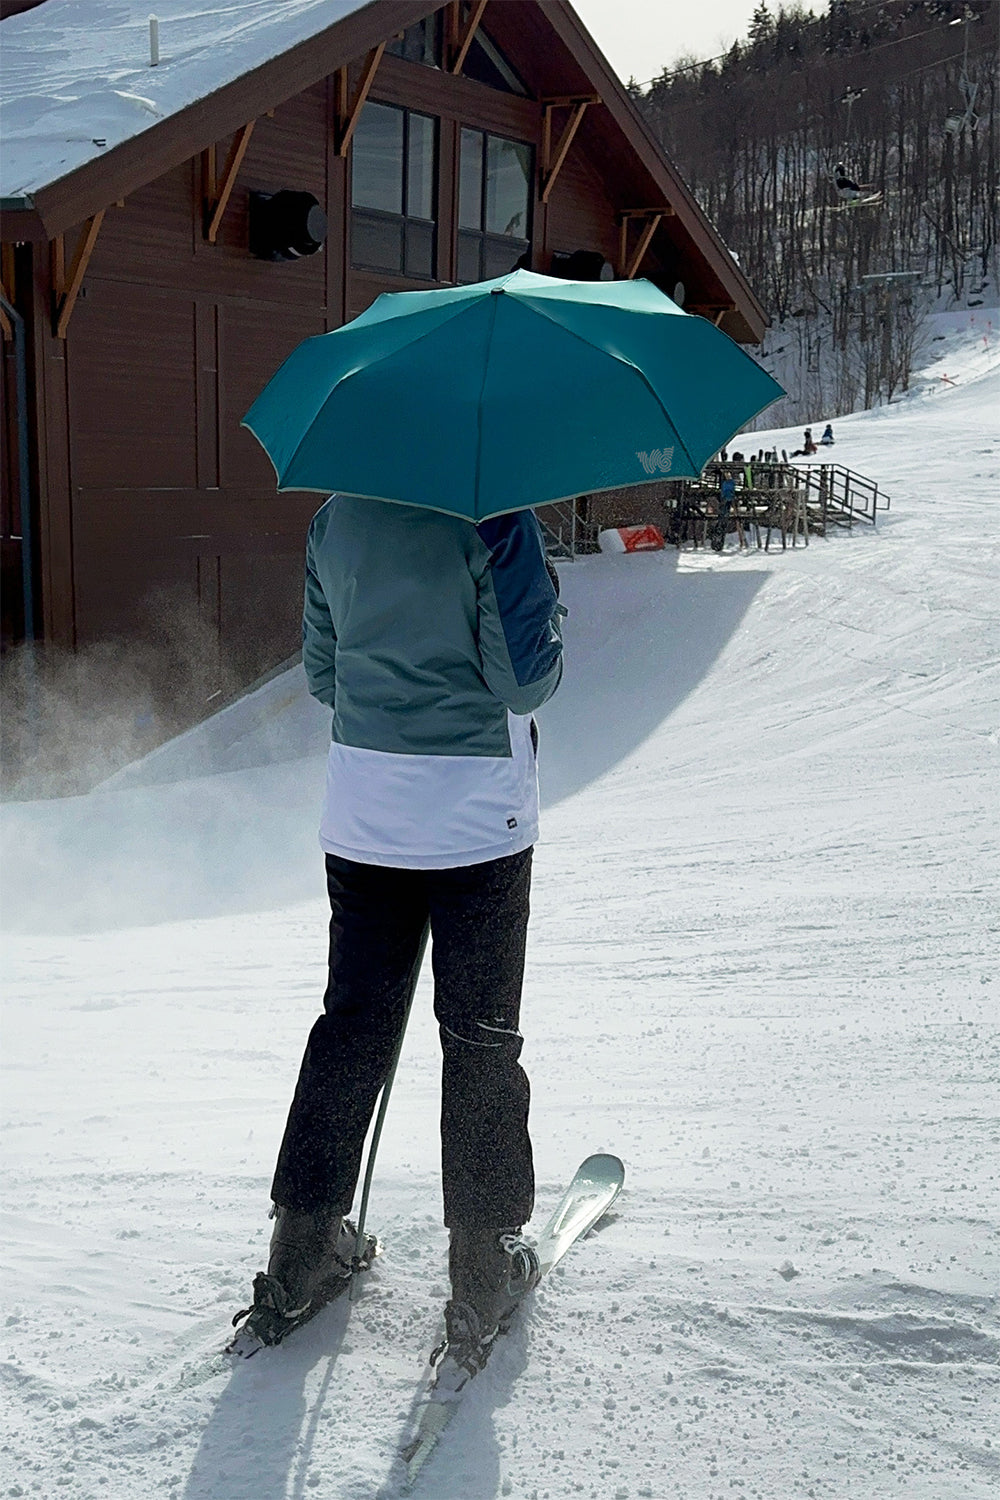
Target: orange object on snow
[{"x": 632, "y": 539}]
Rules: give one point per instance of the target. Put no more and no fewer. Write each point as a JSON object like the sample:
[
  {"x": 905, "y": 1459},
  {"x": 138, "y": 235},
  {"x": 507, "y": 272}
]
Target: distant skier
[
  {"x": 848, "y": 191},
  {"x": 855, "y": 194},
  {"x": 826, "y": 441},
  {"x": 432, "y": 641},
  {"x": 808, "y": 446}
]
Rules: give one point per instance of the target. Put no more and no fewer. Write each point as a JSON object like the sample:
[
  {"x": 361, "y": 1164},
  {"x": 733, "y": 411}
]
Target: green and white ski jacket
[{"x": 432, "y": 640}]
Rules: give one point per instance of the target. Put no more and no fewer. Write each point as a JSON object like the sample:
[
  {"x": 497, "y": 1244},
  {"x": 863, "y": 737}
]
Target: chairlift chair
[{"x": 852, "y": 194}]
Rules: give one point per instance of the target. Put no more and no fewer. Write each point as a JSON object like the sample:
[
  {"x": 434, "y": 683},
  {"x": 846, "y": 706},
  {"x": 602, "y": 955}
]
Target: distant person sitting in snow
[
  {"x": 808, "y": 446},
  {"x": 432, "y": 641},
  {"x": 826, "y": 440}
]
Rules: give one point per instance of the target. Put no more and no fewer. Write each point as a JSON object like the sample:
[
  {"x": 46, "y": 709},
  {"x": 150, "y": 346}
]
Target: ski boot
[
  {"x": 312, "y": 1259},
  {"x": 490, "y": 1273}
]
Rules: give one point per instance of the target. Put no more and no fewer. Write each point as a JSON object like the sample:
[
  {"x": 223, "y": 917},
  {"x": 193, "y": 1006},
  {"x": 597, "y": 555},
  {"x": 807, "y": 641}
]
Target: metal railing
[
  {"x": 566, "y": 533},
  {"x": 755, "y": 498},
  {"x": 766, "y": 495}
]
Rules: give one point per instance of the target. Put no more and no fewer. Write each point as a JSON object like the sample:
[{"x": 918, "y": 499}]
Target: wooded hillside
[{"x": 903, "y": 96}]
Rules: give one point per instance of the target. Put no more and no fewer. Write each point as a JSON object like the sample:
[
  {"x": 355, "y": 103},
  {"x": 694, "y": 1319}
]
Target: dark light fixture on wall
[
  {"x": 581, "y": 265},
  {"x": 285, "y": 225}
]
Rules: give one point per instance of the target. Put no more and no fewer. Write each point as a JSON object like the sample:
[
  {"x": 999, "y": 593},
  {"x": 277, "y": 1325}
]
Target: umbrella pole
[{"x": 380, "y": 1118}]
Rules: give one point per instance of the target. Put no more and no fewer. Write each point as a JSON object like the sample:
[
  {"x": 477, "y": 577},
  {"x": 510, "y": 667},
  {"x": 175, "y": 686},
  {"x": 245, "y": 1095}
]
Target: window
[
  {"x": 486, "y": 63},
  {"x": 494, "y": 203},
  {"x": 419, "y": 43},
  {"x": 393, "y": 174}
]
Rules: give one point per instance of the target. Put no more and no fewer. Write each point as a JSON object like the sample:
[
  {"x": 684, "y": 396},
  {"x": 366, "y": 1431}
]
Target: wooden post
[
  {"x": 8, "y": 286},
  {"x": 626, "y": 268},
  {"x": 216, "y": 206},
  {"x": 643, "y": 245},
  {"x": 578, "y": 106},
  {"x": 348, "y": 114},
  {"x": 77, "y": 271},
  {"x": 463, "y": 42}
]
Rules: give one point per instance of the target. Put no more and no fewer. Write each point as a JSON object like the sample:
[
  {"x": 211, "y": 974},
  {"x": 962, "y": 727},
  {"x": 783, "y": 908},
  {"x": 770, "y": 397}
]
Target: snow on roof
[{"x": 77, "y": 78}]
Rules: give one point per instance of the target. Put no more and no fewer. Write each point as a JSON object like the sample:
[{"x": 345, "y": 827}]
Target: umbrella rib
[
  {"x": 621, "y": 358},
  {"x": 494, "y": 300}
]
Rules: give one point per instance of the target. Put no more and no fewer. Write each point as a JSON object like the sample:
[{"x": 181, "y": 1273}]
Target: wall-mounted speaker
[
  {"x": 285, "y": 225},
  {"x": 581, "y": 265}
]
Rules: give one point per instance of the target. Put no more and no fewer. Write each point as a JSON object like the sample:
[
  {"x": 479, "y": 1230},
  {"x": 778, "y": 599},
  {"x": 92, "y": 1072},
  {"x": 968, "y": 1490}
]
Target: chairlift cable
[{"x": 869, "y": 52}]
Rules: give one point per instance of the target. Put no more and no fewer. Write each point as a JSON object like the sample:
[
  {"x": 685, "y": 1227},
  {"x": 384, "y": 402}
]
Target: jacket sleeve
[
  {"x": 319, "y": 639},
  {"x": 520, "y": 640}
]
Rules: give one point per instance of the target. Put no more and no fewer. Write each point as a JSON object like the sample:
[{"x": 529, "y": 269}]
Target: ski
[
  {"x": 266, "y": 1323},
  {"x": 871, "y": 200},
  {"x": 595, "y": 1186}
]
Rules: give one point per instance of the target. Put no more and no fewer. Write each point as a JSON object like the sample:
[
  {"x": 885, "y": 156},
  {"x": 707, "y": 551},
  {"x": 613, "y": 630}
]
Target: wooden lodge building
[{"x": 152, "y": 287}]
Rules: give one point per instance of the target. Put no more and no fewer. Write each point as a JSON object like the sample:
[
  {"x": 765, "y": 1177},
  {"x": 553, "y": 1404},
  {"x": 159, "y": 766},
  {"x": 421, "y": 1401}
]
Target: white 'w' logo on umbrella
[{"x": 660, "y": 461}]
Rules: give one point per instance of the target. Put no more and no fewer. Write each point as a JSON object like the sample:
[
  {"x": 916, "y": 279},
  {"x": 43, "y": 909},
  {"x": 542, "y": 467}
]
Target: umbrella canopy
[{"x": 478, "y": 400}]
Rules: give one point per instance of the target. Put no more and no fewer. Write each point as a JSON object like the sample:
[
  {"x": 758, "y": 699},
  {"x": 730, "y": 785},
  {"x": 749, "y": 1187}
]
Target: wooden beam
[
  {"x": 8, "y": 286},
  {"x": 711, "y": 309},
  {"x": 57, "y": 255},
  {"x": 550, "y": 173},
  {"x": 567, "y": 101},
  {"x": 77, "y": 271},
  {"x": 218, "y": 201},
  {"x": 626, "y": 215},
  {"x": 349, "y": 113},
  {"x": 463, "y": 42},
  {"x": 208, "y": 176},
  {"x": 7, "y": 270},
  {"x": 643, "y": 245}
]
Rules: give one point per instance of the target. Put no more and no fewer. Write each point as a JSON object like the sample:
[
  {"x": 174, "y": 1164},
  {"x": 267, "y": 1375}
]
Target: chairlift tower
[
  {"x": 889, "y": 285},
  {"x": 965, "y": 115}
]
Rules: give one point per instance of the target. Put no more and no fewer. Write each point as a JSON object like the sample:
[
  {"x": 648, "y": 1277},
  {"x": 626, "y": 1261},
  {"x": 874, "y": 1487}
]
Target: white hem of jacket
[{"x": 431, "y": 812}]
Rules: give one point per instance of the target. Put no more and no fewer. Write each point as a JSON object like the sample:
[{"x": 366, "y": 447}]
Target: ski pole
[{"x": 382, "y": 1109}]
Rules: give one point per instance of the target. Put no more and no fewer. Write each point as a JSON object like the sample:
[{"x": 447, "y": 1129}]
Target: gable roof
[{"x": 86, "y": 119}]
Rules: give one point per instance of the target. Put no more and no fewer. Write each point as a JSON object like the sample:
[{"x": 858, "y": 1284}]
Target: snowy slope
[{"x": 762, "y": 969}]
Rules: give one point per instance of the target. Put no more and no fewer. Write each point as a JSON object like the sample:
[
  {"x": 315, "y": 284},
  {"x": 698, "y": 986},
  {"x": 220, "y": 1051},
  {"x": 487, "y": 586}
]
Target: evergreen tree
[{"x": 761, "y": 26}]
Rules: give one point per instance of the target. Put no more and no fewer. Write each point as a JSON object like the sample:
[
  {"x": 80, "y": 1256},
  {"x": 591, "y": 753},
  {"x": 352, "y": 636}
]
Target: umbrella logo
[{"x": 660, "y": 461}]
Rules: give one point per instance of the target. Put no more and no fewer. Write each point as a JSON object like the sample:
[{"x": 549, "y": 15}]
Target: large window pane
[
  {"x": 420, "y": 168},
  {"x": 501, "y": 256},
  {"x": 376, "y": 241},
  {"x": 468, "y": 256},
  {"x": 470, "y": 181},
  {"x": 377, "y": 159},
  {"x": 508, "y": 170},
  {"x": 419, "y": 249}
]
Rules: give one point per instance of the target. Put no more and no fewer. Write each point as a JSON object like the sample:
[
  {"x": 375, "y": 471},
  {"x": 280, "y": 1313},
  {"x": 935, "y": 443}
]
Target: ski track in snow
[{"x": 762, "y": 969}]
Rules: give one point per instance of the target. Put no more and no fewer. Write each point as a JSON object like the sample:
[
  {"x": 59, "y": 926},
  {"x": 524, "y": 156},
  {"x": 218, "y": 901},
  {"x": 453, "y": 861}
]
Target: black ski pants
[{"x": 478, "y": 918}]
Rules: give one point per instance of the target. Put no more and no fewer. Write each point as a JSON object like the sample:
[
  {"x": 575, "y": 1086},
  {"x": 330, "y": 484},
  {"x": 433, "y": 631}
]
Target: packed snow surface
[
  {"x": 78, "y": 77},
  {"x": 762, "y": 969}
]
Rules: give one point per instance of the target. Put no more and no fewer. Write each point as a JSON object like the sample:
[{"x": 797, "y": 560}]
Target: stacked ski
[{"x": 594, "y": 1188}]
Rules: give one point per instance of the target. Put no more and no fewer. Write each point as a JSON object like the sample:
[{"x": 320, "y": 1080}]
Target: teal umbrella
[{"x": 478, "y": 400}]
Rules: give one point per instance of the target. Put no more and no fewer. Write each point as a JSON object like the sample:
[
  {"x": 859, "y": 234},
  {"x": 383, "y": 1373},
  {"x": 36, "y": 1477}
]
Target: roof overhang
[{"x": 66, "y": 202}]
